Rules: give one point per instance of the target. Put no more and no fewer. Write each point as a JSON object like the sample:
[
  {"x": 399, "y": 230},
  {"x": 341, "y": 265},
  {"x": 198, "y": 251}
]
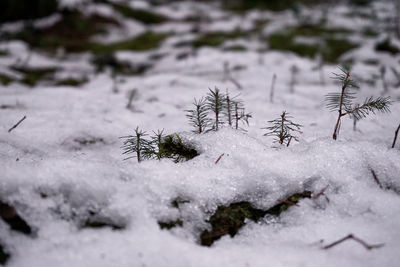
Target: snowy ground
[{"x": 64, "y": 162}]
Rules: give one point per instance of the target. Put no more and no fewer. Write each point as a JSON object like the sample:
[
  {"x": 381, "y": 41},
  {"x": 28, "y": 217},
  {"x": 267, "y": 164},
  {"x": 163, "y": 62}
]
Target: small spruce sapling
[
  {"x": 283, "y": 129},
  {"x": 198, "y": 116},
  {"x": 343, "y": 102},
  {"x": 137, "y": 144},
  {"x": 240, "y": 114},
  {"x": 215, "y": 103},
  {"x": 157, "y": 141}
]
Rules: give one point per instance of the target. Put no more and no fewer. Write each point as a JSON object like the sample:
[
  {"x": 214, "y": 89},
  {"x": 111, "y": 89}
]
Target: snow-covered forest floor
[{"x": 63, "y": 173}]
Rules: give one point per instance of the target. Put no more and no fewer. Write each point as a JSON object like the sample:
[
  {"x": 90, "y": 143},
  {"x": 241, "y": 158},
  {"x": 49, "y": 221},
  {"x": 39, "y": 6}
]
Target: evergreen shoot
[
  {"x": 198, "y": 116},
  {"x": 137, "y": 145},
  {"x": 343, "y": 102},
  {"x": 283, "y": 129},
  {"x": 157, "y": 141},
  {"x": 215, "y": 103}
]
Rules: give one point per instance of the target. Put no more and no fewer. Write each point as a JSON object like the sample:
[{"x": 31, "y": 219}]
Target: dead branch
[
  {"x": 16, "y": 125},
  {"x": 219, "y": 158},
  {"x": 320, "y": 193},
  {"x": 376, "y": 178},
  {"x": 395, "y": 136},
  {"x": 358, "y": 240}
]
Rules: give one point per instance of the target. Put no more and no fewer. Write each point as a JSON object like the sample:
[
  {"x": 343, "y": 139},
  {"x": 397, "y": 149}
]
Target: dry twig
[
  {"x": 219, "y": 158},
  {"x": 395, "y": 136},
  {"x": 16, "y": 125},
  {"x": 358, "y": 240}
]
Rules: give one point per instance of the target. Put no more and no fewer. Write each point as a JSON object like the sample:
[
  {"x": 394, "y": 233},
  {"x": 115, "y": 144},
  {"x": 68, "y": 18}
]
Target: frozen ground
[{"x": 64, "y": 164}]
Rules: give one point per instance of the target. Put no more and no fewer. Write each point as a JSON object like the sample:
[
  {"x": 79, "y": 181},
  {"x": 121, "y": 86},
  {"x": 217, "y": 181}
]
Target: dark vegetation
[
  {"x": 330, "y": 43},
  {"x": 10, "y": 216},
  {"x": 13, "y": 10},
  {"x": 227, "y": 220}
]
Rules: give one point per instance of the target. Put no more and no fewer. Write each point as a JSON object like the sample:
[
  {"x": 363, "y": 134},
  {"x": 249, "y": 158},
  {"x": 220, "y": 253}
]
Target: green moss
[
  {"x": 71, "y": 82},
  {"x": 108, "y": 60},
  {"x": 171, "y": 224},
  {"x": 212, "y": 39},
  {"x": 142, "y": 15},
  {"x": 386, "y": 46},
  {"x": 244, "y": 5},
  {"x": 5, "y": 79},
  {"x": 331, "y": 47},
  {"x": 3, "y": 53},
  {"x": 227, "y": 220},
  {"x": 173, "y": 147},
  {"x": 235, "y": 48},
  {"x": 145, "y": 41},
  {"x": 73, "y": 32},
  {"x": 33, "y": 75}
]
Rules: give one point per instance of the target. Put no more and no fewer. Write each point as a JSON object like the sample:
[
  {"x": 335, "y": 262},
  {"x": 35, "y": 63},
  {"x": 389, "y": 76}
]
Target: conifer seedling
[
  {"x": 343, "y": 102},
  {"x": 283, "y": 129},
  {"x": 215, "y": 103},
  {"x": 198, "y": 116},
  {"x": 137, "y": 145}
]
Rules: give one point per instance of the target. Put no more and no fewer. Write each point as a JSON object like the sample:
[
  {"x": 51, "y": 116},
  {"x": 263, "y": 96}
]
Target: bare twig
[
  {"x": 320, "y": 193},
  {"x": 272, "y": 91},
  {"x": 228, "y": 76},
  {"x": 395, "y": 136},
  {"x": 376, "y": 178},
  {"x": 290, "y": 139},
  {"x": 16, "y": 125},
  {"x": 219, "y": 158},
  {"x": 358, "y": 240}
]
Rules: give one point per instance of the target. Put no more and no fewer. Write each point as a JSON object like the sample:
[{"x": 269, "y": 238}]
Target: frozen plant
[
  {"x": 283, "y": 129},
  {"x": 343, "y": 102},
  {"x": 215, "y": 103},
  {"x": 240, "y": 114},
  {"x": 157, "y": 141},
  {"x": 198, "y": 116},
  {"x": 138, "y": 145}
]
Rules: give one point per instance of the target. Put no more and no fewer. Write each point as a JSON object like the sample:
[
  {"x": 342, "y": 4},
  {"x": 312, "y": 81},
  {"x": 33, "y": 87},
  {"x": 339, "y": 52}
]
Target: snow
[{"x": 55, "y": 182}]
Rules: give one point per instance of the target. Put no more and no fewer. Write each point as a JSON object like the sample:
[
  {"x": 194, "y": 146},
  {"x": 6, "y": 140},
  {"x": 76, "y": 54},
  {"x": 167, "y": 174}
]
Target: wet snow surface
[{"x": 63, "y": 164}]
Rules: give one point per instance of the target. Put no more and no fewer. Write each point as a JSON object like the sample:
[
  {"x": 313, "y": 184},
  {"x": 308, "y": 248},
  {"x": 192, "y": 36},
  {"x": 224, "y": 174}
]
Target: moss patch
[
  {"x": 170, "y": 224},
  {"x": 12, "y": 10},
  {"x": 330, "y": 47},
  {"x": 73, "y": 32},
  {"x": 71, "y": 82},
  {"x": 5, "y": 79},
  {"x": 227, "y": 220},
  {"x": 212, "y": 39},
  {"x": 142, "y": 15},
  {"x": 33, "y": 75},
  {"x": 145, "y": 41},
  {"x": 172, "y": 147}
]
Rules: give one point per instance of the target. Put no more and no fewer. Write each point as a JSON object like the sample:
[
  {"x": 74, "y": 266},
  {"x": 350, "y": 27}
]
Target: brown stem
[
  {"x": 236, "y": 116},
  {"x": 290, "y": 139},
  {"x": 198, "y": 118},
  {"x": 340, "y": 111},
  {"x": 282, "y": 128},
  {"x": 395, "y": 136},
  {"x": 351, "y": 236},
  {"x": 219, "y": 158},
  {"x": 228, "y": 104}
]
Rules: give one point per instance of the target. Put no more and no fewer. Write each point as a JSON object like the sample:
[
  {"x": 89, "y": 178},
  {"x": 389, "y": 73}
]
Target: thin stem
[
  {"x": 281, "y": 138},
  {"x": 395, "y": 136},
  {"x": 236, "y": 116},
  {"x": 228, "y": 106},
  {"x": 360, "y": 241},
  {"x": 340, "y": 115},
  {"x": 272, "y": 91},
  {"x": 199, "y": 123},
  {"x": 16, "y": 125}
]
